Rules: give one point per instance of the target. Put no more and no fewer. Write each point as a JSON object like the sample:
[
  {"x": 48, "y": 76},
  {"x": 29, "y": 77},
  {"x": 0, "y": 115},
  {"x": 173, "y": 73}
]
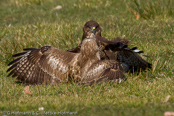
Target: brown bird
[
  {"x": 129, "y": 58},
  {"x": 49, "y": 65}
]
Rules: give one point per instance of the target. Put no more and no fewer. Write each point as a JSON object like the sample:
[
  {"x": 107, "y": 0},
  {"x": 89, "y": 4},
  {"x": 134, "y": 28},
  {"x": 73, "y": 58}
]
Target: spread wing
[
  {"x": 119, "y": 51},
  {"x": 105, "y": 70},
  {"x": 130, "y": 59},
  {"x": 41, "y": 66},
  {"x": 134, "y": 61}
]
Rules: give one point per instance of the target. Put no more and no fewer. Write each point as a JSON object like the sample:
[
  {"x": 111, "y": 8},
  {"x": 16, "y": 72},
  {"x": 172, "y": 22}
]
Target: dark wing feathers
[
  {"x": 75, "y": 50},
  {"x": 128, "y": 56},
  {"x": 14, "y": 61},
  {"x": 123, "y": 41},
  {"x": 19, "y": 54},
  {"x": 132, "y": 59},
  {"x": 140, "y": 52},
  {"x": 12, "y": 67},
  {"x": 29, "y": 49},
  {"x": 134, "y": 48},
  {"x": 13, "y": 71}
]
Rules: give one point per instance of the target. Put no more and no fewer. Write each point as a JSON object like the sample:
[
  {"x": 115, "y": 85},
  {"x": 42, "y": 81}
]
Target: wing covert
[
  {"x": 105, "y": 70},
  {"x": 38, "y": 66}
]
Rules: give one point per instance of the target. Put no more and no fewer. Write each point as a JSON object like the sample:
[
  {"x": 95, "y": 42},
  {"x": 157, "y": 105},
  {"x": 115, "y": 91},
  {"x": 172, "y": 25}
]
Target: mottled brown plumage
[
  {"x": 42, "y": 66},
  {"x": 129, "y": 58},
  {"x": 49, "y": 65}
]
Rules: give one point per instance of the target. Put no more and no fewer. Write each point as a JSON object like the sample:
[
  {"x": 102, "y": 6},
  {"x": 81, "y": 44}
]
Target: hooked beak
[{"x": 93, "y": 30}]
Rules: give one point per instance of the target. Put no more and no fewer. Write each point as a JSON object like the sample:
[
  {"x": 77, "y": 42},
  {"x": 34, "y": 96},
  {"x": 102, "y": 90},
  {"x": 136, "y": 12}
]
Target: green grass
[
  {"x": 151, "y": 10},
  {"x": 35, "y": 23}
]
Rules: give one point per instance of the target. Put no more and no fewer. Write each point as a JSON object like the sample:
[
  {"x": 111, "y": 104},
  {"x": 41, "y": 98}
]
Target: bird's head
[{"x": 91, "y": 28}]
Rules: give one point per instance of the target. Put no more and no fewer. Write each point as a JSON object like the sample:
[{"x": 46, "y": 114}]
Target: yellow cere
[{"x": 93, "y": 27}]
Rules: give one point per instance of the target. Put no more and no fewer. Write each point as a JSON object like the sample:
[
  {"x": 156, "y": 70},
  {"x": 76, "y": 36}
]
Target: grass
[
  {"x": 152, "y": 10},
  {"x": 35, "y": 23}
]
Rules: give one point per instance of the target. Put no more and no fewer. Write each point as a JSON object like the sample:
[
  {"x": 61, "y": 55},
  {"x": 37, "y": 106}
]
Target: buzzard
[
  {"x": 49, "y": 65},
  {"x": 129, "y": 58}
]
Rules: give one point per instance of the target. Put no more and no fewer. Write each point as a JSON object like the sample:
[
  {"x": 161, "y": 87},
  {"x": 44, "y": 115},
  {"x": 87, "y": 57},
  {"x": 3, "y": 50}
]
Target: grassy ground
[{"x": 35, "y": 23}]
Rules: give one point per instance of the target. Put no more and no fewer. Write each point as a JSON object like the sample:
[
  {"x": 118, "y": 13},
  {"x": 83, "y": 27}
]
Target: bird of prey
[
  {"x": 49, "y": 65},
  {"x": 129, "y": 58}
]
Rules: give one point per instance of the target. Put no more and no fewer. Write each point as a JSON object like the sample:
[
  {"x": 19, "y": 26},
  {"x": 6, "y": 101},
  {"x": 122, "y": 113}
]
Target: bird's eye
[{"x": 88, "y": 27}]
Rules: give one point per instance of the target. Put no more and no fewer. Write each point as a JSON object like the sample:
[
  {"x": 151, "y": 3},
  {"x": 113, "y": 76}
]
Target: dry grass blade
[
  {"x": 166, "y": 99},
  {"x": 27, "y": 90}
]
